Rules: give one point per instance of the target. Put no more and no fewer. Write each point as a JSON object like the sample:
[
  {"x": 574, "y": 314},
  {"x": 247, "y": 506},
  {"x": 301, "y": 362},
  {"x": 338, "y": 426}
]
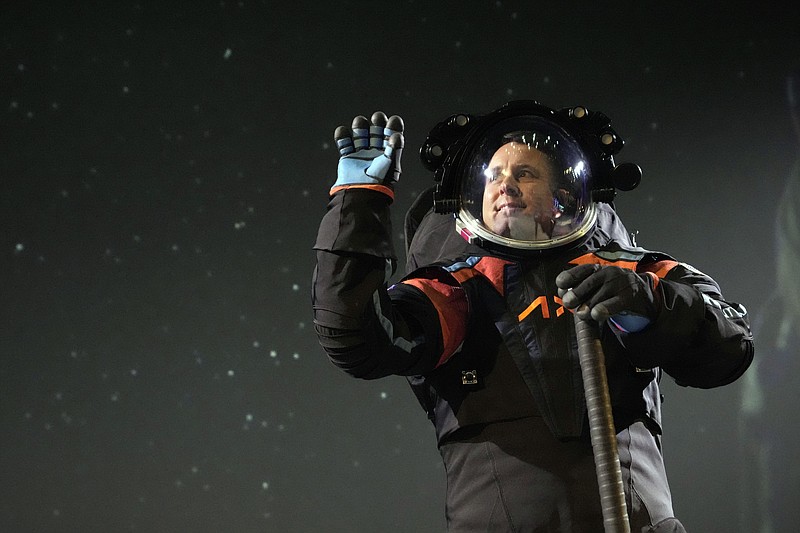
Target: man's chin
[
  {"x": 526, "y": 229},
  {"x": 500, "y": 227},
  {"x": 519, "y": 228}
]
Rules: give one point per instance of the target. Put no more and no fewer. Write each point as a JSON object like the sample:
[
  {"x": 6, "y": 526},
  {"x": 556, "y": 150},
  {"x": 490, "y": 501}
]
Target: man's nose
[{"x": 509, "y": 185}]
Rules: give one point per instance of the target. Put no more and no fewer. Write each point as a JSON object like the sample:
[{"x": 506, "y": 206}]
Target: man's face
[{"x": 518, "y": 197}]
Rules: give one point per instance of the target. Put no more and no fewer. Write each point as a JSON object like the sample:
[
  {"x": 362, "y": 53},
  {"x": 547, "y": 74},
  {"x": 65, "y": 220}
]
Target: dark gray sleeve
[
  {"x": 367, "y": 329},
  {"x": 699, "y": 338}
]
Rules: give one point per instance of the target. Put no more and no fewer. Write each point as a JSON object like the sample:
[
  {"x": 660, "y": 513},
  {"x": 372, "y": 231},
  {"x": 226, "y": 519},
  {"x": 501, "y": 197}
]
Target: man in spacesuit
[{"x": 517, "y": 234}]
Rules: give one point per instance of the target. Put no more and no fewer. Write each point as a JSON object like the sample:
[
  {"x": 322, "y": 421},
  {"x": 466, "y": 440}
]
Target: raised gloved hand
[
  {"x": 603, "y": 292},
  {"x": 370, "y": 153}
]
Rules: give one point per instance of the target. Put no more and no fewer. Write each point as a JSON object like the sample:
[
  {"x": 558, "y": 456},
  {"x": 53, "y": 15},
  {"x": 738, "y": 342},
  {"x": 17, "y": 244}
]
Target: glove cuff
[{"x": 379, "y": 188}]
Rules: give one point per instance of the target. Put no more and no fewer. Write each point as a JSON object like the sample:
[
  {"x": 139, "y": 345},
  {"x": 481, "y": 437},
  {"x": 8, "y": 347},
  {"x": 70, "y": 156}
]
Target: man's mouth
[{"x": 510, "y": 206}]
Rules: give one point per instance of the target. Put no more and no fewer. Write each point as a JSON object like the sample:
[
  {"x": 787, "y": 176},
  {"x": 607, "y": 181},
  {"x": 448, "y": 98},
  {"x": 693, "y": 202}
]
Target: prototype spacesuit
[{"x": 517, "y": 235}]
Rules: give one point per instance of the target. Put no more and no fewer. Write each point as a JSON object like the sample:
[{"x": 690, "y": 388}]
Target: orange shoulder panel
[
  {"x": 493, "y": 269},
  {"x": 659, "y": 268},
  {"x": 591, "y": 259},
  {"x": 451, "y": 305}
]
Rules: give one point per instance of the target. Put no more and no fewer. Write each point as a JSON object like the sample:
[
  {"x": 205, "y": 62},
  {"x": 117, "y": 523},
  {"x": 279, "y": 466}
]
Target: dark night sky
[{"x": 163, "y": 168}]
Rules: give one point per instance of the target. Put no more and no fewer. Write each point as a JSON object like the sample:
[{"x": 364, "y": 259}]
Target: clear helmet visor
[{"x": 526, "y": 186}]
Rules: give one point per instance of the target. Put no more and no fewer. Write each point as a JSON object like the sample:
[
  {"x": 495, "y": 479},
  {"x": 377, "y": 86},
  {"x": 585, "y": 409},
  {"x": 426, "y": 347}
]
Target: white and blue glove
[{"x": 370, "y": 154}]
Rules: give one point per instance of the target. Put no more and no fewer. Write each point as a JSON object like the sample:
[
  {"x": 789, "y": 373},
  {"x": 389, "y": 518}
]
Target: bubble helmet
[{"x": 526, "y": 178}]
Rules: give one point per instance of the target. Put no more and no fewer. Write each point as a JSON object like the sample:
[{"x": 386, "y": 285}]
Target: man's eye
[{"x": 526, "y": 175}]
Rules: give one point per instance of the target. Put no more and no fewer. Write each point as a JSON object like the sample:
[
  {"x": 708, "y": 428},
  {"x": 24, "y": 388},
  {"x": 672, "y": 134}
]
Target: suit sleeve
[
  {"x": 368, "y": 329},
  {"x": 698, "y": 338}
]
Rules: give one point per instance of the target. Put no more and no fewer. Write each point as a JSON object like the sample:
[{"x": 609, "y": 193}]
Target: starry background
[{"x": 163, "y": 168}]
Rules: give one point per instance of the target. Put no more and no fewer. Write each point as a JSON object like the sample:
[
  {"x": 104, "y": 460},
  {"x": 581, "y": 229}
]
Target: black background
[{"x": 163, "y": 168}]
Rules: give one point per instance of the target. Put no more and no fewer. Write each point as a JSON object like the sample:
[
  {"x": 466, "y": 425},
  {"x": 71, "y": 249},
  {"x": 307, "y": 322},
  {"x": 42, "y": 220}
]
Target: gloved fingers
[
  {"x": 602, "y": 285},
  {"x": 396, "y": 124},
  {"x": 590, "y": 295},
  {"x": 376, "y": 130},
  {"x": 395, "y": 141},
  {"x": 360, "y": 132},
  {"x": 343, "y": 136},
  {"x": 577, "y": 284},
  {"x": 389, "y": 159},
  {"x": 582, "y": 311},
  {"x": 370, "y": 151},
  {"x": 603, "y": 303},
  {"x": 606, "y": 308},
  {"x": 613, "y": 291},
  {"x": 394, "y": 147},
  {"x": 393, "y": 125},
  {"x": 575, "y": 275},
  {"x": 394, "y": 151}
]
